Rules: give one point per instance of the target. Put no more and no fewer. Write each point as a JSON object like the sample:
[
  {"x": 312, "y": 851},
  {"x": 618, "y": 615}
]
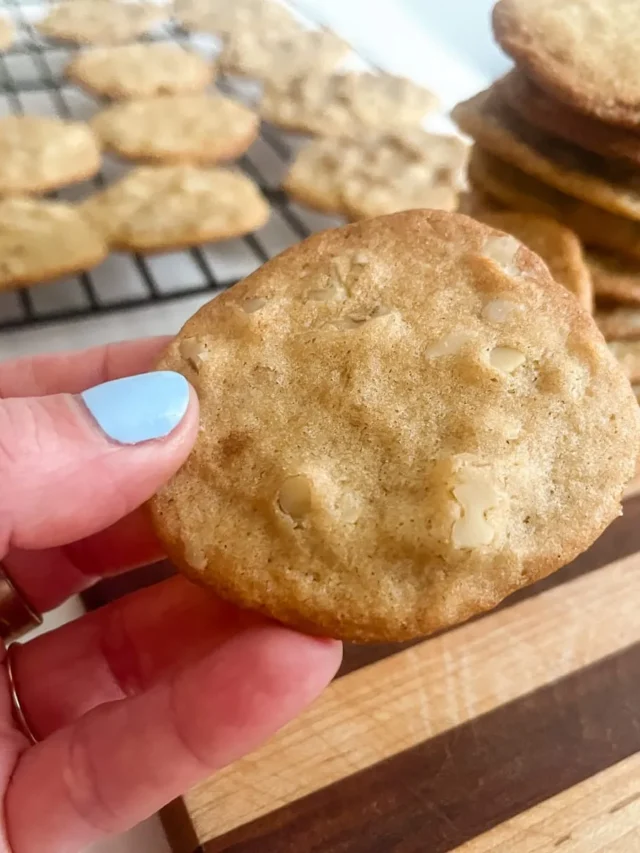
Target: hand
[{"x": 134, "y": 703}]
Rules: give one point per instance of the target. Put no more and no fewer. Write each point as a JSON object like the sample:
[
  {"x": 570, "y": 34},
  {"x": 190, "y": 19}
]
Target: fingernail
[{"x": 139, "y": 408}]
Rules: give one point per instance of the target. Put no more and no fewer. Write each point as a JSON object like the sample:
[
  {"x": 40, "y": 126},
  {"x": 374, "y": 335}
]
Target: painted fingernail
[{"x": 139, "y": 408}]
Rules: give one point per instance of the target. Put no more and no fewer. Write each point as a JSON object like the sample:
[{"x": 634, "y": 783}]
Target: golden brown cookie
[
  {"x": 584, "y": 52},
  {"x": 99, "y": 21},
  {"x": 614, "y": 278},
  {"x": 345, "y": 104},
  {"x": 536, "y": 107},
  {"x": 627, "y": 353},
  {"x": 620, "y": 323},
  {"x": 7, "y": 34},
  {"x": 40, "y": 154},
  {"x": 251, "y": 54},
  {"x": 155, "y": 209},
  {"x": 519, "y": 191},
  {"x": 402, "y": 421},
  {"x": 228, "y": 17},
  {"x": 44, "y": 240},
  {"x": 611, "y": 185},
  {"x": 376, "y": 174},
  {"x": 558, "y": 247},
  {"x": 140, "y": 70},
  {"x": 177, "y": 129}
]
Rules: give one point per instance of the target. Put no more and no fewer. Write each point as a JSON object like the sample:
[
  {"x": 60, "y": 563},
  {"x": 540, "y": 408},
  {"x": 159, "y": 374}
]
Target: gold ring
[
  {"x": 17, "y": 616},
  {"x": 18, "y": 712}
]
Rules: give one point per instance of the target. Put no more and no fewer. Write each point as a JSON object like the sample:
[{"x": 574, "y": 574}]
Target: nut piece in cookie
[
  {"x": 140, "y": 70},
  {"x": 375, "y": 174},
  {"x": 345, "y": 104},
  {"x": 43, "y": 240},
  {"x": 40, "y": 154},
  {"x": 99, "y": 21},
  {"x": 402, "y": 421},
  {"x": 156, "y": 209},
  {"x": 558, "y": 247},
  {"x": 177, "y": 129},
  {"x": 583, "y": 52}
]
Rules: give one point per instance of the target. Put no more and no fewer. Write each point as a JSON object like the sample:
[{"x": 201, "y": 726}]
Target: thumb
[{"x": 73, "y": 465}]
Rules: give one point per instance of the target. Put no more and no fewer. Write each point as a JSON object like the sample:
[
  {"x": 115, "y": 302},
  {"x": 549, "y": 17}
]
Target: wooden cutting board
[{"x": 518, "y": 732}]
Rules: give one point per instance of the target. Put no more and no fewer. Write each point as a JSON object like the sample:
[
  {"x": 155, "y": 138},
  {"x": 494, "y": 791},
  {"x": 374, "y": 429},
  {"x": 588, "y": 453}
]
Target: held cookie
[
  {"x": 515, "y": 189},
  {"x": 377, "y": 174},
  {"x": 140, "y": 70},
  {"x": 157, "y": 209},
  {"x": 346, "y": 104},
  {"x": 536, "y": 107},
  {"x": 402, "y": 421},
  {"x": 584, "y": 52},
  {"x": 611, "y": 185},
  {"x": 39, "y": 154},
  {"x": 177, "y": 129},
  {"x": 558, "y": 247},
  {"x": 44, "y": 240},
  {"x": 251, "y": 54},
  {"x": 99, "y": 21}
]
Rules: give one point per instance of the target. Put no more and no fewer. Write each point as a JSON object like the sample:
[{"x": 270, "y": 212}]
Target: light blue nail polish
[{"x": 139, "y": 408}]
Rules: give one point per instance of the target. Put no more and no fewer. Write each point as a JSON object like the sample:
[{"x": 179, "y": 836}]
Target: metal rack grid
[{"x": 32, "y": 81}]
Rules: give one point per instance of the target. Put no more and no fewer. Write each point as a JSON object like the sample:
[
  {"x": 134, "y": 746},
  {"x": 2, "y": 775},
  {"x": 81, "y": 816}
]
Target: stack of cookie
[{"x": 559, "y": 137}]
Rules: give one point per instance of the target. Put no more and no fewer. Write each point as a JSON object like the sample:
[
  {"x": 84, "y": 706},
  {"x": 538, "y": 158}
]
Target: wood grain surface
[{"x": 518, "y": 732}]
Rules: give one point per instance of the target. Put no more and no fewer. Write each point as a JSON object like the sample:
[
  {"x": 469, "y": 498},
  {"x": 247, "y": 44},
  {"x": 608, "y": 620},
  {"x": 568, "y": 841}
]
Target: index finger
[{"x": 74, "y": 372}]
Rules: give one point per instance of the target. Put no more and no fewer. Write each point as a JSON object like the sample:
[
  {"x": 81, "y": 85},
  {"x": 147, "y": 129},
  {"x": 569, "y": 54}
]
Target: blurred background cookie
[
  {"x": 140, "y": 70},
  {"x": 44, "y": 240},
  {"x": 177, "y": 129},
  {"x": 100, "y": 21},
  {"x": 40, "y": 154},
  {"x": 156, "y": 209}
]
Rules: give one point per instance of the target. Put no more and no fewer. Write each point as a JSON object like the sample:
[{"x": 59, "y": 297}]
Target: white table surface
[{"x": 419, "y": 47}]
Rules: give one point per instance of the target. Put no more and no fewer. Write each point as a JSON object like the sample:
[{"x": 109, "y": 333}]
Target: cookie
[
  {"x": 402, "y": 421},
  {"x": 251, "y": 54},
  {"x": 156, "y": 209},
  {"x": 378, "y": 174},
  {"x": 621, "y": 323},
  {"x": 627, "y": 354},
  {"x": 584, "y": 52},
  {"x": 536, "y": 107},
  {"x": 517, "y": 190},
  {"x": 611, "y": 185},
  {"x": 177, "y": 129},
  {"x": 558, "y": 247},
  {"x": 39, "y": 154},
  {"x": 615, "y": 278},
  {"x": 224, "y": 18},
  {"x": 99, "y": 21},
  {"x": 140, "y": 71},
  {"x": 7, "y": 34},
  {"x": 345, "y": 104},
  {"x": 44, "y": 240}
]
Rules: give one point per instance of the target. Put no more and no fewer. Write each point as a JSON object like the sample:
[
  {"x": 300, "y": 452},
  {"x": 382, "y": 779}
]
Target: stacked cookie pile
[{"x": 559, "y": 138}]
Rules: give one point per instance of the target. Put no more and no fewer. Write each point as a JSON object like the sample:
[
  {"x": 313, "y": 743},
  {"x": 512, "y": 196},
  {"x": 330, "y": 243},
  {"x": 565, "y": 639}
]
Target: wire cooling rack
[{"x": 32, "y": 81}]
